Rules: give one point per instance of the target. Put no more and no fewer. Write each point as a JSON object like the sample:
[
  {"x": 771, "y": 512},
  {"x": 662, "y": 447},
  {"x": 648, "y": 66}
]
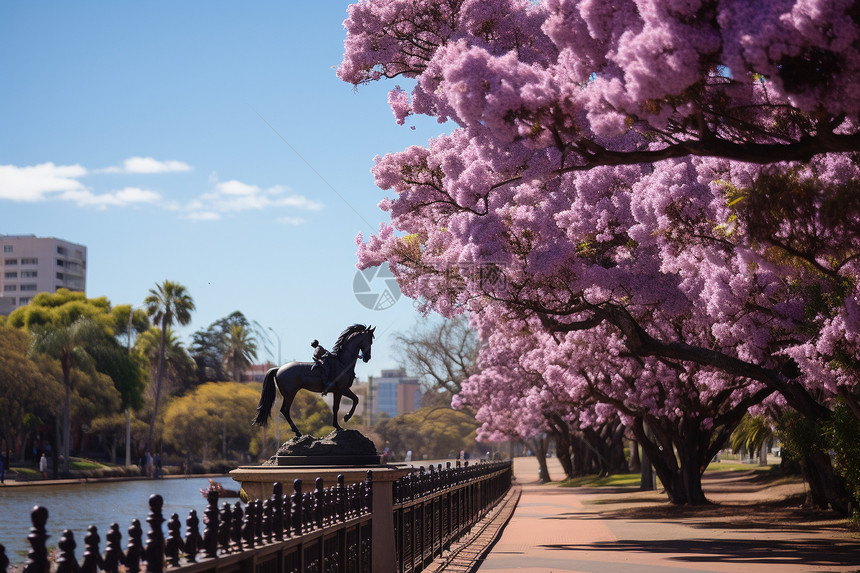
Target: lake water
[{"x": 78, "y": 506}]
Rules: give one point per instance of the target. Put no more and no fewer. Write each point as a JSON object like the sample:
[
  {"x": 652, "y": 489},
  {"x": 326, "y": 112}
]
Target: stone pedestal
[
  {"x": 339, "y": 448},
  {"x": 257, "y": 483}
]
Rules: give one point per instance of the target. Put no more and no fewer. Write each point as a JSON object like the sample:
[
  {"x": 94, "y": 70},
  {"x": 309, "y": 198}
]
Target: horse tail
[{"x": 267, "y": 399}]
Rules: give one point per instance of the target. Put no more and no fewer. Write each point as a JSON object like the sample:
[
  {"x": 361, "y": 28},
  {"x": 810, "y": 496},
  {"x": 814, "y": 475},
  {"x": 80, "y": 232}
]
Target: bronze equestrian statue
[{"x": 331, "y": 371}]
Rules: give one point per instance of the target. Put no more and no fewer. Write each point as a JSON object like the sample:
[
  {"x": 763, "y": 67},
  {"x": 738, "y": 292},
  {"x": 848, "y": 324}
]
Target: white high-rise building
[{"x": 31, "y": 265}]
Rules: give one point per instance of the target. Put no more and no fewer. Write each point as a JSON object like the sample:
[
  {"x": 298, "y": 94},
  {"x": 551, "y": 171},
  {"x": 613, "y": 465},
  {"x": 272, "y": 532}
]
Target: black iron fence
[
  {"x": 322, "y": 530},
  {"x": 434, "y": 508},
  {"x": 325, "y": 529}
]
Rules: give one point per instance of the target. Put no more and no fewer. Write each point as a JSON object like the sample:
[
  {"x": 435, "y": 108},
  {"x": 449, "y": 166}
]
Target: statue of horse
[{"x": 353, "y": 343}]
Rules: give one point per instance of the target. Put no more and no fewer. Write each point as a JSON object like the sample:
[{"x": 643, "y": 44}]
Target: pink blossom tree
[
  {"x": 586, "y": 383},
  {"x": 676, "y": 177}
]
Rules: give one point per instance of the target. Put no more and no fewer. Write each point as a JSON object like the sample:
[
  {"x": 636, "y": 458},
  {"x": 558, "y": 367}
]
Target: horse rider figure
[{"x": 325, "y": 363}]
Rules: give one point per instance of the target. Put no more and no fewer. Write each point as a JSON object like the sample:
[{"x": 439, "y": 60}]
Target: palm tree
[
  {"x": 241, "y": 349},
  {"x": 166, "y": 303},
  {"x": 68, "y": 344},
  {"x": 753, "y": 434}
]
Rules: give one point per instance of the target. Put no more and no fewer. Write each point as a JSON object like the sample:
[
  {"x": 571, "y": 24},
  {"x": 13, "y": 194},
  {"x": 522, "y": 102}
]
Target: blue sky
[{"x": 147, "y": 132}]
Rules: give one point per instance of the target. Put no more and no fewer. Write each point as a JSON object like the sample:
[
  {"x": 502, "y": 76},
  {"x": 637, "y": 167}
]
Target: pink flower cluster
[{"x": 649, "y": 207}]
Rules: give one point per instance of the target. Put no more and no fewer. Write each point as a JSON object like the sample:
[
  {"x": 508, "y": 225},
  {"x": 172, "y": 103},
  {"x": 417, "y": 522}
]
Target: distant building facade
[
  {"x": 31, "y": 265},
  {"x": 256, "y": 372},
  {"x": 394, "y": 393}
]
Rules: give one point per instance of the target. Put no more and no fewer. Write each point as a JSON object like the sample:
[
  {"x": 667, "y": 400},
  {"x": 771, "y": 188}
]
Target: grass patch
[
  {"x": 79, "y": 464},
  {"x": 737, "y": 466},
  {"x": 617, "y": 480},
  {"x": 23, "y": 471}
]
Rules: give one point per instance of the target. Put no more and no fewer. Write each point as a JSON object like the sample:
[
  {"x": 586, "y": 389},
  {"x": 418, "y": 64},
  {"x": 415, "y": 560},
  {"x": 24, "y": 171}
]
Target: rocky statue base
[
  {"x": 340, "y": 448},
  {"x": 344, "y": 452}
]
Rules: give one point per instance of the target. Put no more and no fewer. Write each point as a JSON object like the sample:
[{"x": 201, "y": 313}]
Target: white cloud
[
  {"x": 235, "y": 196},
  {"x": 203, "y": 216},
  {"x": 147, "y": 165},
  {"x": 299, "y": 202},
  {"x": 234, "y": 187},
  {"x": 35, "y": 182},
  {"x": 48, "y": 181},
  {"x": 291, "y": 220},
  {"x": 121, "y": 198}
]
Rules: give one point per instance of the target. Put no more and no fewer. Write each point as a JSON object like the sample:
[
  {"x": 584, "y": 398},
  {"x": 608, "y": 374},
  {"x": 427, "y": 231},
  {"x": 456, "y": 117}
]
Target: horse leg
[
  {"x": 335, "y": 406},
  {"x": 351, "y": 395},
  {"x": 285, "y": 410}
]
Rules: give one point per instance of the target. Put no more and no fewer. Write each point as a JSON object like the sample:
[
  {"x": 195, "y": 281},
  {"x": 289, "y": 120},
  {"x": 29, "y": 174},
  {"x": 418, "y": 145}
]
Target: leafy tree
[
  {"x": 178, "y": 376},
  {"x": 213, "y": 417},
  {"x": 166, "y": 303},
  {"x": 241, "y": 350},
  {"x": 28, "y": 397},
  {"x": 68, "y": 344},
  {"x": 207, "y": 350},
  {"x": 128, "y": 324},
  {"x": 225, "y": 345},
  {"x": 68, "y": 327},
  {"x": 430, "y": 433},
  {"x": 443, "y": 355},
  {"x": 95, "y": 399},
  {"x": 752, "y": 435},
  {"x": 608, "y": 173}
]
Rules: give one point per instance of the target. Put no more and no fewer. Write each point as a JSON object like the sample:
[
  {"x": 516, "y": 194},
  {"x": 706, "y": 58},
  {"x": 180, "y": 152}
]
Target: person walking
[
  {"x": 43, "y": 466},
  {"x": 2, "y": 470}
]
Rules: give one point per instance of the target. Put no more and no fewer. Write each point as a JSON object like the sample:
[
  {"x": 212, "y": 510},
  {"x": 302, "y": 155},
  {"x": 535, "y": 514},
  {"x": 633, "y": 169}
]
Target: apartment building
[
  {"x": 394, "y": 393},
  {"x": 32, "y": 264}
]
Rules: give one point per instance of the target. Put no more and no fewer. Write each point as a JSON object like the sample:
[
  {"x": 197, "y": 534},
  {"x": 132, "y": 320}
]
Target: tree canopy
[
  {"x": 212, "y": 418},
  {"x": 28, "y": 398},
  {"x": 663, "y": 190},
  {"x": 79, "y": 333}
]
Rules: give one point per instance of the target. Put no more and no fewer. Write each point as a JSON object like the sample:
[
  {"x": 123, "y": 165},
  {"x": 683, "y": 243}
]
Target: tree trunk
[
  {"x": 762, "y": 454},
  {"x": 635, "y": 464},
  {"x": 683, "y": 484},
  {"x": 825, "y": 487},
  {"x": 540, "y": 445},
  {"x": 158, "y": 379},
  {"x": 127, "y": 437},
  {"x": 67, "y": 422},
  {"x": 646, "y": 482},
  {"x": 581, "y": 456},
  {"x": 615, "y": 448},
  {"x": 55, "y": 450},
  {"x": 563, "y": 449}
]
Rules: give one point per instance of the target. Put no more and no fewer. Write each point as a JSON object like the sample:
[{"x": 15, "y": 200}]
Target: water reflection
[{"x": 77, "y": 506}]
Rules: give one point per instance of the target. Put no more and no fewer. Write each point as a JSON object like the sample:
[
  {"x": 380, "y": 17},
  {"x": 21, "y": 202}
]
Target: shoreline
[{"x": 85, "y": 480}]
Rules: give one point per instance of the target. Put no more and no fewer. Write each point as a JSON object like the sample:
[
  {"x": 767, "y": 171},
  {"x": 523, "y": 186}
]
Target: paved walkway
[{"x": 590, "y": 530}]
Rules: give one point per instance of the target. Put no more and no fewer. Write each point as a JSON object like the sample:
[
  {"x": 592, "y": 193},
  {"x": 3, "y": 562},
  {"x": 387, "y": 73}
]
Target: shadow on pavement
[{"x": 823, "y": 553}]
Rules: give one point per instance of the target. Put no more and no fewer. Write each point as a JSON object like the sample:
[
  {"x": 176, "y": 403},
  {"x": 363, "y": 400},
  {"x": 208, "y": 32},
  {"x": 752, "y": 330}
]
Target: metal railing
[
  {"x": 435, "y": 508},
  {"x": 326, "y": 529},
  {"x": 322, "y": 530}
]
